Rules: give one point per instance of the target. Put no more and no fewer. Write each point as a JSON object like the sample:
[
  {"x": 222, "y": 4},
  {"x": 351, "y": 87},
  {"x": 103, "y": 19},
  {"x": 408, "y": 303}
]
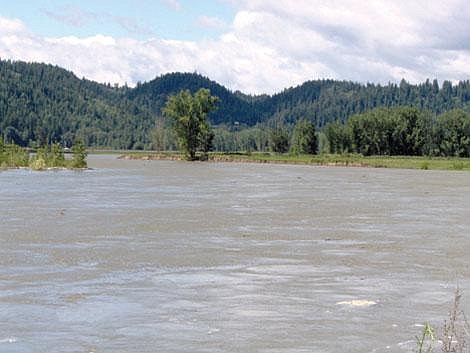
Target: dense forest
[{"x": 44, "y": 104}]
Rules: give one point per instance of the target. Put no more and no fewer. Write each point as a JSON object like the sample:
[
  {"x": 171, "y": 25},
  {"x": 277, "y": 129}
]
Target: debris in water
[
  {"x": 8, "y": 340},
  {"x": 357, "y": 303}
]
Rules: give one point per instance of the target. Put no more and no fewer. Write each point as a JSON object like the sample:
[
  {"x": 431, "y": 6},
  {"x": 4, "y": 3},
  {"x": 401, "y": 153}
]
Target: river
[{"x": 160, "y": 256}]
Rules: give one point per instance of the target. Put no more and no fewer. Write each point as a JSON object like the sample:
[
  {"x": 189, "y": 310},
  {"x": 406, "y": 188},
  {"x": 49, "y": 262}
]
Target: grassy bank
[{"x": 347, "y": 160}]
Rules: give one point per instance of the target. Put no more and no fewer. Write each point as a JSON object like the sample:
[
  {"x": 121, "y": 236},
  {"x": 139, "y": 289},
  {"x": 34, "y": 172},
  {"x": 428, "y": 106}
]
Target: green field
[{"x": 346, "y": 160}]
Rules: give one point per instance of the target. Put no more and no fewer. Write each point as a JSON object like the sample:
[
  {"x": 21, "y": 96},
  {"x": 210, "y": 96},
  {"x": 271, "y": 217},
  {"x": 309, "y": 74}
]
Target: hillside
[
  {"x": 233, "y": 106},
  {"x": 327, "y": 100},
  {"x": 42, "y": 103}
]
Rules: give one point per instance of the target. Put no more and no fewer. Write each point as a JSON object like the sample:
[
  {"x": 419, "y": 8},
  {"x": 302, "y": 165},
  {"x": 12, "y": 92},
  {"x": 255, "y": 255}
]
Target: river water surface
[{"x": 138, "y": 256}]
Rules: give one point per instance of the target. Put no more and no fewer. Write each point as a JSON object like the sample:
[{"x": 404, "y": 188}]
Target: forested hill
[
  {"x": 42, "y": 103},
  {"x": 231, "y": 108},
  {"x": 322, "y": 101},
  {"x": 328, "y": 100}
]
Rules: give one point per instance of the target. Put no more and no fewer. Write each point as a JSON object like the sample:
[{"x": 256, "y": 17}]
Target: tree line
[
  {"x": 398, "y": 131},
  {"x": 402, "y": 131}
]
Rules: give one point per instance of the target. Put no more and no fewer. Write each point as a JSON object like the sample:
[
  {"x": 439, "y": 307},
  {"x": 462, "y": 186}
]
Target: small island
[
  {"x": 324, "y": 160},
  {"x": 46, "y": 157}
]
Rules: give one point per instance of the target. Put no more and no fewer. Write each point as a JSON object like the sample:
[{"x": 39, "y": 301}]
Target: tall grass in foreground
[{"x": 453, "y": 335}]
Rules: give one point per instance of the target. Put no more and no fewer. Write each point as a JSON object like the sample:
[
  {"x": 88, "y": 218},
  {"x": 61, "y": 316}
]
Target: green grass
[{"x": 346, "y": 160}]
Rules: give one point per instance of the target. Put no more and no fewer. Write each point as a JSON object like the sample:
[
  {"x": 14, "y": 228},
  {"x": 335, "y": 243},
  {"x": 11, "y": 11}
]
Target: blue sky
[
  {"x": 256, "y": 46},
  {"x": 168, "y": 19}
]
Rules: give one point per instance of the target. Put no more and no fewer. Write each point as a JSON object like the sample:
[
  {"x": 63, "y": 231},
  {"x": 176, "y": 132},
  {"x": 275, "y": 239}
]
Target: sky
[{"x": 256, "y": 46}]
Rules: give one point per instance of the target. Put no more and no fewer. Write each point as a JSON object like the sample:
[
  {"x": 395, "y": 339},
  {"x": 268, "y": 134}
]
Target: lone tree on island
[{"x": 189, "y": 116}]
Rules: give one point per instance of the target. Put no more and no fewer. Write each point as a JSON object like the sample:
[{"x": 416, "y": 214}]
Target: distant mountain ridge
[{"x": 44, "y": 103}]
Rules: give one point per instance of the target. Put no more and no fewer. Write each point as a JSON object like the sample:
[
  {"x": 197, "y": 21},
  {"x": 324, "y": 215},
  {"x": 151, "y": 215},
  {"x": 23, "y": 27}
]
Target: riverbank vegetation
[
  {"x": 399, "y": 131},
  {"x": 42, "y": 158},
  {"x": 339, "y": 160}
]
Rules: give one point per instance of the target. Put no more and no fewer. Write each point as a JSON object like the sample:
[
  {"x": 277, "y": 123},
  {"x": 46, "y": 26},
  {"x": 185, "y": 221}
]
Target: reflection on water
[{"x": 137, "y": 256}]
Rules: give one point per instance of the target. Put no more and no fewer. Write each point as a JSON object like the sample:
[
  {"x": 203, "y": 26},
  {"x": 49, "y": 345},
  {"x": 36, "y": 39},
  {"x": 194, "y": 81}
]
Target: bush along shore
[
  {"x": 337, "y": 160},
  {"x": 45, "y": 158}
]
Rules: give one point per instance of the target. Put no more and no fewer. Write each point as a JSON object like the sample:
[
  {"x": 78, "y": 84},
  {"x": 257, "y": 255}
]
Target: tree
[
  {"x": 189, "y": 116},
  {"x": 57, "y": 158},
  {"x": 158, "y": 135},
  {"x": 453, "y": 129},
  {"x": 339, "y": 138},
  {"x": 79, "y": 155},
  {"x": 304, "y": 140},
  {"x": 279, "y": 140}
]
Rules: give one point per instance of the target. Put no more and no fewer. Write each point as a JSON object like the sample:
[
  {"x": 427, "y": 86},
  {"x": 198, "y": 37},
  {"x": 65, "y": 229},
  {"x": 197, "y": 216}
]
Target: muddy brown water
[{"x": 138, "y": 256}]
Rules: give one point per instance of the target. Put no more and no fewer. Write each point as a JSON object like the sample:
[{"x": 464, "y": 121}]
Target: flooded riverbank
[{"x": 160, "y": 256}]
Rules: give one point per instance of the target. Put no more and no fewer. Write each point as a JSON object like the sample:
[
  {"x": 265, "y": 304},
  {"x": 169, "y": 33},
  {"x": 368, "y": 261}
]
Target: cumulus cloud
[{"x": 271, "y": 45}]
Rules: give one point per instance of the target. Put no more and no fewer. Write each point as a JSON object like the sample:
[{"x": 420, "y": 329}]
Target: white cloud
[
  {"x": 11, "y": 26},
  {"x": 276, "y": 44}
]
